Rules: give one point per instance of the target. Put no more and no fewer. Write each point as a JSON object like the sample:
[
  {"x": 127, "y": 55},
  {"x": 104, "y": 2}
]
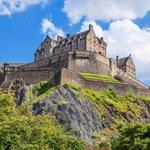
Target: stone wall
[
  {"x": 37, "y": 64},
  {"x": 88, "y": 62},
  {"x": 127, "y": 78},
  {"x": 121, "y": 88},
  {"x": 115, "y": 71},
  {"x": 30, "y": 76},
  {"x": 55, "y": 62},
  {"x": 95, "y": 44}
]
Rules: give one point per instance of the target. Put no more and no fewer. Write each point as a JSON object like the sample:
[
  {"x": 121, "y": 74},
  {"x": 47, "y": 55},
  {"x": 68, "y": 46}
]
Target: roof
[
  {"x": 70, "y": 38},
  {"x": 122, "y": 61},
  {"x": 76, "y": 36}
]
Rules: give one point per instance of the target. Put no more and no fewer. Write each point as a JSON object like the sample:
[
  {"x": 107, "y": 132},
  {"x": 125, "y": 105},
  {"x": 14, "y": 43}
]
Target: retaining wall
[
  {"x": 121, "y": 88},
  {"x": 30, "y": 76}
]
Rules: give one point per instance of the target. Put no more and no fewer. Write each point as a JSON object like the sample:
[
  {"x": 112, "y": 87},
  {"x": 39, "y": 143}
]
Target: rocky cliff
[{"x": 90, "y": 115}]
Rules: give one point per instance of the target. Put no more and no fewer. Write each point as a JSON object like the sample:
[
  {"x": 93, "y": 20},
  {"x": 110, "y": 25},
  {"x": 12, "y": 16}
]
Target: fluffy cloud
[
  {"x": 105, "y": 10},
  {"x": 49, "y": 28},
  {"x": 7, "y": 7},
  {"x": 125, "y": 37},
  {"x": 97, "y": 28}
]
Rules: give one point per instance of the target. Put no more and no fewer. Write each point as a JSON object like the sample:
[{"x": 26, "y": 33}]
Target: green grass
[
  {"x": 110, "y": 104},
  {"x": 98, "y": 77},
  {"x": 120, "y": 103},
  {"x": 106, "y": 101},
  {"x": 39, "y": 91},
  {"x": 146, "y": 98}
]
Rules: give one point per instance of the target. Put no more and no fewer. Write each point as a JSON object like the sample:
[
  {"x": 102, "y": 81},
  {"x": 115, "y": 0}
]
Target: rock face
[
  {"x": 20, "y": 90},
  {"x": 83, "y": 117},
  {"x": 76, "y": 114}
]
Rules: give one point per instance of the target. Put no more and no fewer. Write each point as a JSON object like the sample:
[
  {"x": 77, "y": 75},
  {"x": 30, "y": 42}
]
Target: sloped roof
[
  {"x": 122, "y": 61},
  {"x": 76, "y": 36},
  {"x": 81, "y": 34}
]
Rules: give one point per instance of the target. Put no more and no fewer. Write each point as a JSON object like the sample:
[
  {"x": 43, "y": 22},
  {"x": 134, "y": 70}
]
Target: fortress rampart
[
  {"x": 68, "y": 76},
  {"x": 29, "y": 76}
]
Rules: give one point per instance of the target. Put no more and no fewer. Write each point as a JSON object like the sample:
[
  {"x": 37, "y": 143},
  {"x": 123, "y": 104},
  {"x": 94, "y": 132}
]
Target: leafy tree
[
  {"x": 20, "y": 130},
  {"x": 133, "y": 137}
]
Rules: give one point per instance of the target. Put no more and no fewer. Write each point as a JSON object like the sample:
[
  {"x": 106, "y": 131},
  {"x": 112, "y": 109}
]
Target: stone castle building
[{"x": 82, "y": 52}]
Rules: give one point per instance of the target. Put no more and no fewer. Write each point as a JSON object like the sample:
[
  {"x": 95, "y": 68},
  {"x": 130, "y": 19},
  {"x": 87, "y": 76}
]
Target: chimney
[
  {"x": 90, "y": 27},
  {"x": 117, "y": 59}
]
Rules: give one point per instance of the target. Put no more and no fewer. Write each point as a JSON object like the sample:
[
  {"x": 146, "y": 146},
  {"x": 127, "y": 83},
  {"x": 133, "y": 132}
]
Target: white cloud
[
  {"x": 97, "y": 28},
  {"x": 105, "y": 10},
  {"x": 125, "y": 37},
  {"x": 7, "y": 7},
  {"x": 49, "y": 28}
]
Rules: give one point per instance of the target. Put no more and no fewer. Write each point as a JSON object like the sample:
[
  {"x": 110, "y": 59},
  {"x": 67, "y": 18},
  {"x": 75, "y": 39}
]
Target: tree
[
  {"x": 20, "y": 130},
  {"x": 133, "y": 137}
]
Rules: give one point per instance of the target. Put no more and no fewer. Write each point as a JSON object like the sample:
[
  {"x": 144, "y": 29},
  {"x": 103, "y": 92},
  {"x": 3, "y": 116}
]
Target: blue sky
[
  {"x": 125, "y": 26},
  {"x": 21, "y": 35}
]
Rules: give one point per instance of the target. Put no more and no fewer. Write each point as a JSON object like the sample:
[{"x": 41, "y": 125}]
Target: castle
[{"x": 63, "y": 59}]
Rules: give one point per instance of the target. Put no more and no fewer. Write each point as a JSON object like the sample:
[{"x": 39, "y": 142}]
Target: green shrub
[
  {"x": 39, "y": 91},
  {"x": 111, "y": 93},
  {"x": 19, "y": 130},
  {"x": 133, "y": 137},
  {"x": 104, "y": 144}
]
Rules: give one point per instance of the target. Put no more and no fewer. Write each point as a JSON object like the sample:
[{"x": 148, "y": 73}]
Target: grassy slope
[
  {"x": 127, "y": 104},
  {"x": 121, "y": 104},
  {"x": 98, "y": 77}
]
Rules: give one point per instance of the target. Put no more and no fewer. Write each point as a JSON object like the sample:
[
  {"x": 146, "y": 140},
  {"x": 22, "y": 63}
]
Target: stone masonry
[{"x": 82, "y": 52}]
